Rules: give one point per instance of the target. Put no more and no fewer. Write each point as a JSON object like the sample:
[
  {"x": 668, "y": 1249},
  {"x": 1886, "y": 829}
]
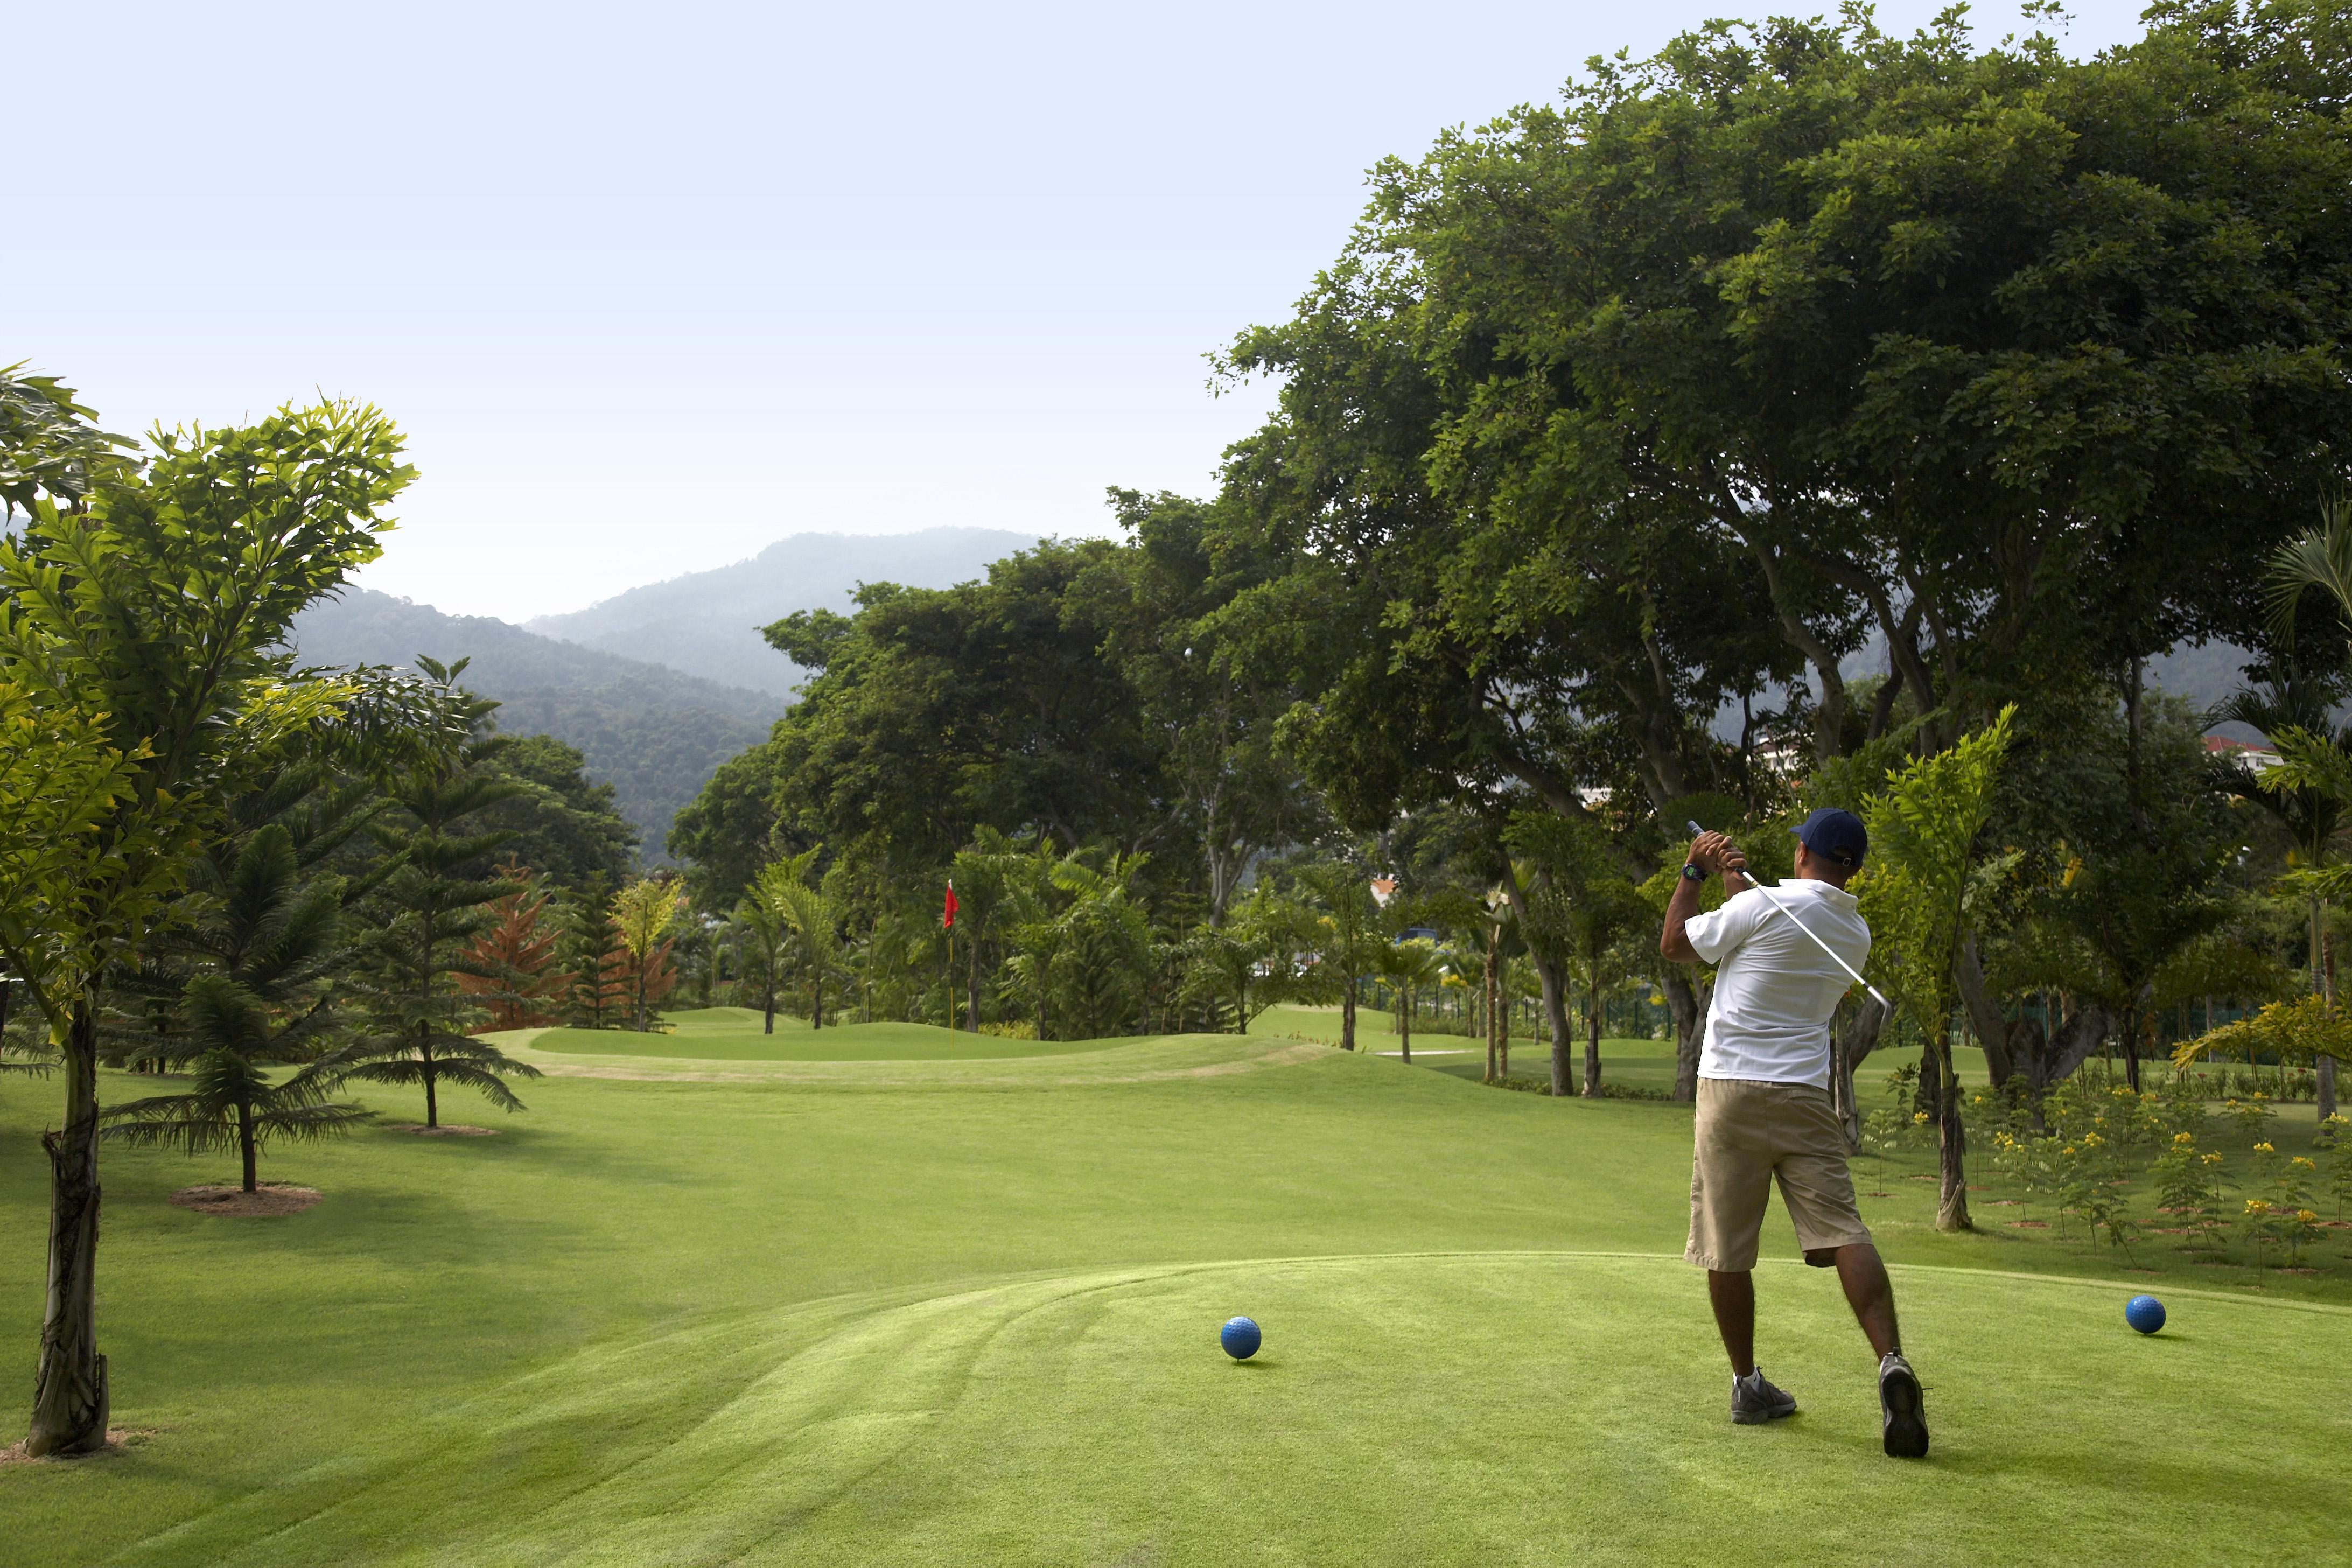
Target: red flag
[{"x": 948, "y": 919}]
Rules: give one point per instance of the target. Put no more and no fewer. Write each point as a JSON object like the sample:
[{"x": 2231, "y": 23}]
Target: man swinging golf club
[{"x": 1784, "y": 957}]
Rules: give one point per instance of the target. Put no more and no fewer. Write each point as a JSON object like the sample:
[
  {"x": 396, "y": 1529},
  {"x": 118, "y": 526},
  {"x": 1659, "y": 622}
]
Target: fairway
[
  {"x": 733, "y": 1034},
  {"x": 937, "y": 1310}
]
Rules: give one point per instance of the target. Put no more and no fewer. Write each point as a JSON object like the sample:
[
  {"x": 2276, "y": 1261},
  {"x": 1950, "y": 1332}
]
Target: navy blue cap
[{"x": 1836, "y": 835}]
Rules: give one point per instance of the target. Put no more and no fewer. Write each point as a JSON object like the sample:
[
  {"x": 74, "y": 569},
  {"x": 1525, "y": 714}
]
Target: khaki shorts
[{"x": 1747, "y": 1134}]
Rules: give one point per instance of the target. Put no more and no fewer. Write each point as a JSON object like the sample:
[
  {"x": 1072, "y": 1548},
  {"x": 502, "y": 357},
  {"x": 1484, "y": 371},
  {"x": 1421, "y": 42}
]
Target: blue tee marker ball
[
  {"x": 1241, "y": 1339},
  {"x": 2145, "y": 1314}
]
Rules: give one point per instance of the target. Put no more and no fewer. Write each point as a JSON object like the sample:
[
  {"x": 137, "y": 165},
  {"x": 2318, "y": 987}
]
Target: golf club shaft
[{"x": 1834, "y": 957}]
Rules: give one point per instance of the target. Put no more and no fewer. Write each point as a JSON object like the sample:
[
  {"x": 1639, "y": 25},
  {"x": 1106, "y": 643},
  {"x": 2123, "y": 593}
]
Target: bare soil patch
[
  {"x": 275, "y": 1197},
  {"x": 446, "y": 1129},
  {"x": 2028, "y": 1224},
  {"x": 118, "y": 1438}
]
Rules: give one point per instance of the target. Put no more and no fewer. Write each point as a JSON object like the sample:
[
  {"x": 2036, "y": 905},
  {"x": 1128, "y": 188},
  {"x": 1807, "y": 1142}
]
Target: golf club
[{"x": 1825, "y": 947}]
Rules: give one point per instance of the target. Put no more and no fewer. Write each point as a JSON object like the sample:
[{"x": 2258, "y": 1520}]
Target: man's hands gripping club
[{"x": 1715, "y": 856}]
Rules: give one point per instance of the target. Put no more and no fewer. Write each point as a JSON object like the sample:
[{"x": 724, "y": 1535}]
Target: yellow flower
[
  {"x": 2305, "y": 1216},
  {"x": 2264, "y": 1149},
  {"x": 1918, "y": 1116},
  {"x": 2184, "y": 1138},
  {"x": 2212, "y": 1159},
  {"x": 2092, "y": 1141},
  {"x": 2069, "y": 1148},
  {"x": 2306, "y": 1164},
  {"x": 2260, "y": 1095},
  {"x": 2256, "y": 1206}
]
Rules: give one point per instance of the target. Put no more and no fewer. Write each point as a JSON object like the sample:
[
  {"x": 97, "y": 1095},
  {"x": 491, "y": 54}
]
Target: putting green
[{"x": 702, "y": 1314}]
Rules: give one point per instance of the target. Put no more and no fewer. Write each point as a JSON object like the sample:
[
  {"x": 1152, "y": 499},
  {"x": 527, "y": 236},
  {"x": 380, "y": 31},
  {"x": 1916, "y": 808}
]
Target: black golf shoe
[
  {"x": 1904, "y": 1411},
  {"x": 1754, "y": 1401}
]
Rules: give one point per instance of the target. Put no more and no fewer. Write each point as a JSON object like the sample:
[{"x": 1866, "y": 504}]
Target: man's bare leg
[
  {"x": 1870, "y": 1293},
  {"x": 1733, "y": 1297}
]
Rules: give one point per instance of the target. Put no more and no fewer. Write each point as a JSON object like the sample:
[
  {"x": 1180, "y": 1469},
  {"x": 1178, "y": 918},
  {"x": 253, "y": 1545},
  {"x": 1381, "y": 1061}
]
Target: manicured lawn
[
  {"x": 911, "y": 1310},
  {"x": 734, "y": 1034}
]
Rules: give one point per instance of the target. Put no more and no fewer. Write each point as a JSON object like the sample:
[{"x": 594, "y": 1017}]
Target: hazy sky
[{"x": 651, "y": 287}]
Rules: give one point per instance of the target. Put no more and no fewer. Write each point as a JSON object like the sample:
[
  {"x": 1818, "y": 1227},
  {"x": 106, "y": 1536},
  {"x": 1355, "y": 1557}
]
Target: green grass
[
  {"x": 922, "y": 1310},
  {"x": 734, "y": 1034}
]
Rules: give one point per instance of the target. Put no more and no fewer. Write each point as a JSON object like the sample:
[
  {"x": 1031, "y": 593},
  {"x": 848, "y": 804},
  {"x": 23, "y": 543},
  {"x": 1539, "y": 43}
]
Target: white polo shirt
[{"x": 1774, "y": 989}]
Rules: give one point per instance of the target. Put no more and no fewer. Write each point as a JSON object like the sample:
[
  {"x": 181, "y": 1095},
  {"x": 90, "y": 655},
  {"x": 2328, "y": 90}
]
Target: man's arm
[{"x": 1709, "y": 852}]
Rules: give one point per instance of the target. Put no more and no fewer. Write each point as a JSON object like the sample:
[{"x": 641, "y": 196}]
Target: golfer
[{"x": 1764, "y": 1106}]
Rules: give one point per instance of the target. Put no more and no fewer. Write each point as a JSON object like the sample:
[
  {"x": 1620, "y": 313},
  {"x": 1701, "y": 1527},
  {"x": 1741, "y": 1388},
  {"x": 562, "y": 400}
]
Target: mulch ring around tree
[
  {"x": 118, "y": 1439},
  {"x": 446, "y": 1129},
  {"x": 275, "y": 1197}
]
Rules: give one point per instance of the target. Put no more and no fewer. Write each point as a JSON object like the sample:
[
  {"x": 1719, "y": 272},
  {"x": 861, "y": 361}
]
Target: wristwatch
[{"x": 1692, "y": 873}]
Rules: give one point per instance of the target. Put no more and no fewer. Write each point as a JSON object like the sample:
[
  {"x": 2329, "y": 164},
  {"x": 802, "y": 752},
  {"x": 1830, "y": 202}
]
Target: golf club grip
[{"x": 1696, "y": 830}]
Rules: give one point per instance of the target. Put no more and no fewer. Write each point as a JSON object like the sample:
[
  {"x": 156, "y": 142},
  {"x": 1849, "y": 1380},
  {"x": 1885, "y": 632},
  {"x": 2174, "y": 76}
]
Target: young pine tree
[
  {"x": 262, "y": 1003},
  {"x": 430, "y": 910}
]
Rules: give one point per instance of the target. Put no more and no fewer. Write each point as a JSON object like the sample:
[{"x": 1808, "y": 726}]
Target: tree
[
  {"x": 561, "y": 824},
  {"x": 2313, "y": 788},
  {"x": 1347, "y": 944},
  {"x": 429, "y": 914},
  {"x": 511, "y": 967},
  {"x": 1411, "y": 964},
  {"x": 1582, "y": 917},
  {"x": 1106, "y": 947},
  {"x": 1162, "y": 599},
  {"x": 589, "y": 954},
  {"x": 266, "y": 1004},
  {"x": 1252, "y": 959},
  {"x": 935, "y": 712},
  {"x": 1923, "y": 877},
  {"x": 141, "y": 647},
  {"x": 764, "y": 934},
  {"x": 644, "y": 913},
  {"x": 48, "y": 448},
  {"x": 815, "y": 925}
]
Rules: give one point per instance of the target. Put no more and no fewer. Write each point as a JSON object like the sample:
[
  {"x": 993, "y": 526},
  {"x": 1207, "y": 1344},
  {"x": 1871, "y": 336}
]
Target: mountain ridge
[
  {"x": 707, "y": 623},
  {"x": 655, "y": 734}
]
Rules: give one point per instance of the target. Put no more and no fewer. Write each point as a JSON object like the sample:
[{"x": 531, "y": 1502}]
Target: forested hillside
[
  {"x": 653, "y": 734},
  {"x": 707, "y": 623}
]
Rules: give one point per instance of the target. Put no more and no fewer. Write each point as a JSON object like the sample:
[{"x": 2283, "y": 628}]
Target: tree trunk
[
  {"x": 1404, "y": 1026},
  {"x": 69, "y": 1391},
  {"x": 971, "y": 990},
  {"x": 1348, "y": 1015},
  {"x": 816, "y": 1004},
  {"x": 1848, "y": 1047},
  {"x": 245, "y": 1146},
  {"x": 1687, "y": 1004},
  {"x": 1951, "y": 1144},
  {"x": 768, "y": 1010},
  {"x": 1984, "y": 1011},
  {"x": 2133, "y": 1023},
  {"x": 1494, "y": 938},
  {"x": 1555, "y": 1010},
  {"x": 1503, "y": 1042},
  {"x": 1593, "y": 1048},
  {"x": 432, "y": 1102},
  {"x": 2324, "y": 1069}
]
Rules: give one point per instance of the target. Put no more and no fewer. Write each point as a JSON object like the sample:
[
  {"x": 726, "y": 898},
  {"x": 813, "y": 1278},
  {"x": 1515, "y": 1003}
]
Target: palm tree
[
  {"x": 815, "y": 925},
  {"x": 762, "y": 932},
  {"x": 2311, "y": 787},
  {"x": 266, "y": 1005},
  {"x": 1410, "y": 964}
]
